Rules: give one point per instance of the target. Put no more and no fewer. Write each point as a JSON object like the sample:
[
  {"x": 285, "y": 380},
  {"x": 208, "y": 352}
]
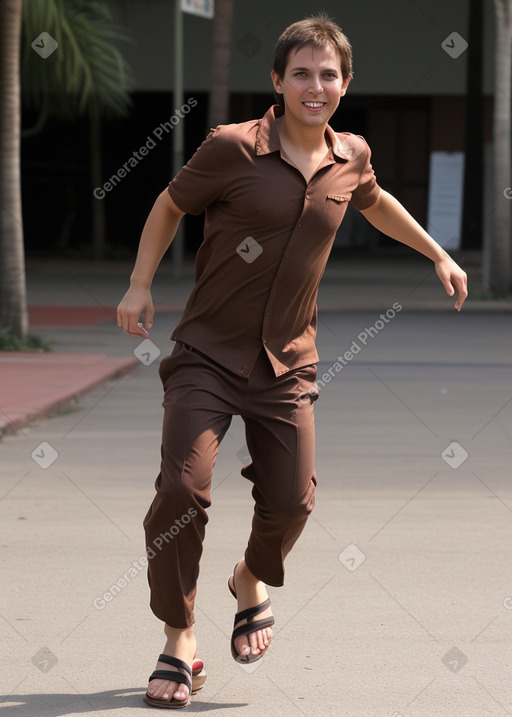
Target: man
[{"x": 275, "y": 191}]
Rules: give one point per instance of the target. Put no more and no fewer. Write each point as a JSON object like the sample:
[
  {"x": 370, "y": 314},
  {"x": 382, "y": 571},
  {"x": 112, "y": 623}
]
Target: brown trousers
[{"x": 199, "y": 401}]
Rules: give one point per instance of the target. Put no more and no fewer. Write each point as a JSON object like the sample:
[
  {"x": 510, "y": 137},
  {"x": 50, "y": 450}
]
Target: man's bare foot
[
  {"x": 250, "y": 592},
  {"x": 182, "y": 645}
]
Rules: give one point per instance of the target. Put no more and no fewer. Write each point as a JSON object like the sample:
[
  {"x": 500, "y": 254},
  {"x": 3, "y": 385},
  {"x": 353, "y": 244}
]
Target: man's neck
[{"x": 304, "y": 139}]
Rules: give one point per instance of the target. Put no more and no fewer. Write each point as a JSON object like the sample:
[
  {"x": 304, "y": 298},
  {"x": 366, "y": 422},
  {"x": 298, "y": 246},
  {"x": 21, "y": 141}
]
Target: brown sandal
[
  {"x": 249, "y": 614},
  {"x": 193, "y": 678}
]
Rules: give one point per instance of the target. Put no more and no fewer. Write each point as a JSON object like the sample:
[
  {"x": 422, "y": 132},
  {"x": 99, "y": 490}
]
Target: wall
[{"x": 397, "y": 43}]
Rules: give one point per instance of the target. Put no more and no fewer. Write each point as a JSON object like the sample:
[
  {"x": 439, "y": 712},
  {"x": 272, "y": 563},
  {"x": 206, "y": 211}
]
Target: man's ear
[
  {"x": 276, "y": 81},
  {"x": 344, "y": 86}
]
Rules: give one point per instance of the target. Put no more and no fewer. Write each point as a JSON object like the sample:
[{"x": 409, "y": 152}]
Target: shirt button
[{"x": 267, "y": 313}]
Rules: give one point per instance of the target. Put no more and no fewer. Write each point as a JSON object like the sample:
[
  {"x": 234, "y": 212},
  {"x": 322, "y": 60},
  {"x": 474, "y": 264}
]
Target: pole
[
  {"x": 472, "y": 213},
  {"x": 177, "y": 246}
]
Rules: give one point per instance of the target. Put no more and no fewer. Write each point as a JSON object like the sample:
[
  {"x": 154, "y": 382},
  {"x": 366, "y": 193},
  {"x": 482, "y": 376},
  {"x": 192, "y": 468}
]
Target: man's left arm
[{"x": 391, "y": 218}]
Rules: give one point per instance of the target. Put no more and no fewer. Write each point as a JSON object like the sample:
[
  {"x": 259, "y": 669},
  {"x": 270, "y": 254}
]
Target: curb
[{"x": 37, "y": 385}]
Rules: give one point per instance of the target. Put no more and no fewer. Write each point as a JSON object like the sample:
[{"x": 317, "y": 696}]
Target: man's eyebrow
[{"x": 326, "y": 69}]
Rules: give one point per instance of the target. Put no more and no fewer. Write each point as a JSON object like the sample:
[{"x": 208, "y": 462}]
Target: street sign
[{"x": 203, "y": 8}]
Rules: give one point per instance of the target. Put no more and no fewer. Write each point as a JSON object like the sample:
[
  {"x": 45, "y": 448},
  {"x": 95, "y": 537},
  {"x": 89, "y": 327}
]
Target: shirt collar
[{"x": 267, "y": 136}]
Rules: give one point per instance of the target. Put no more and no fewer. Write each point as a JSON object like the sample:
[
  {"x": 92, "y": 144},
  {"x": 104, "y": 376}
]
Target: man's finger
[
  {"x": 462, "y": 293},
  {"x": 149, "y": 317},
  {"x": 134, "y": 328},
  {"x": 138, "y": 330},
  {"x": 448, "y": 286}
]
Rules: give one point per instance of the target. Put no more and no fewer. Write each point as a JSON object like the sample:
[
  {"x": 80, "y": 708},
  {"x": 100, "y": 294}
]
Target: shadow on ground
[{"x": 59, "y": 705}]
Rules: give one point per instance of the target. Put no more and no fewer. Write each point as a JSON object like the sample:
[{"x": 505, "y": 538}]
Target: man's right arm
[{"x": 157, "y": 235}]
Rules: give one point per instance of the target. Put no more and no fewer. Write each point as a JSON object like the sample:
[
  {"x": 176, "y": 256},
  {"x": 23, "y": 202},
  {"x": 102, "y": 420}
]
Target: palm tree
[
  {"x": 13, "y": 304},
  {"x": 86, "y": 75},
  {"x": 497, "y": 253}
]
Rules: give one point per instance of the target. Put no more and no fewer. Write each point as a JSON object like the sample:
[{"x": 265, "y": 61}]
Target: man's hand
[
  {"x": 453, "y": 278},
  {"x": 391, "y": 218},
  {"x": 136, "y": 301},
  {"x": 158, "y": 232}
]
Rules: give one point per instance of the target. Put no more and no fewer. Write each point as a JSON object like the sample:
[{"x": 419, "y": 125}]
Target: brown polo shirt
[{"x": 267, "y": 238}]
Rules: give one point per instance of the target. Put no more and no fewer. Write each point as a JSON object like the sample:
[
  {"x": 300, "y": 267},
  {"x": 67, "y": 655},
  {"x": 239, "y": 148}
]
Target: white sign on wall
[
  {"x": 203, "y": 8},
  {"x": 445, "y": 195}
]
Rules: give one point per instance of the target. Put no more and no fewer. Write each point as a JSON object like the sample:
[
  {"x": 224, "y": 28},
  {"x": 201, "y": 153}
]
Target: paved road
[{"x": 399, "y": 594}]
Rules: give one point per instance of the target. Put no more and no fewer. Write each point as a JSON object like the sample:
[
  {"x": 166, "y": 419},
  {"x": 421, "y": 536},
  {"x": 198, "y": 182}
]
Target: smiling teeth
[{"x": 314, "y": 104}]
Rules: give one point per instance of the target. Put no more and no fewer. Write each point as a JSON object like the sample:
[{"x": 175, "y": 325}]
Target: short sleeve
[
  {"x": 201, "y": 180},
  {"x": 367, "y": 191}
]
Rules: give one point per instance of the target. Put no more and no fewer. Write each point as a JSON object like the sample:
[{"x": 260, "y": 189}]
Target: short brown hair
[{"x": 316, "y": 31}]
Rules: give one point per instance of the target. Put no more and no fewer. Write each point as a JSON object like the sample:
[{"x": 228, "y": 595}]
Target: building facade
[{"x": 407, "y": 97}]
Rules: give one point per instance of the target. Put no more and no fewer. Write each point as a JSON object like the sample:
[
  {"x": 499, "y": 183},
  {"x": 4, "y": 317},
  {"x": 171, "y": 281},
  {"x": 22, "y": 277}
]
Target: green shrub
[{"x": 10, "y": 342}]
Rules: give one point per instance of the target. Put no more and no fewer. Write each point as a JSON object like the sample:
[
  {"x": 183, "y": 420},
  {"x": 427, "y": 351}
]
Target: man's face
[{"x": 312, "y": 84}]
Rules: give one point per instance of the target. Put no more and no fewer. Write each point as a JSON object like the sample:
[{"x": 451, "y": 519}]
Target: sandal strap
[
  {"x": 171, "y": 676},
  {"x": 175, "y": 662},
  {"x": 251, "y": 612},
  {"x": 251, "y": 627}
]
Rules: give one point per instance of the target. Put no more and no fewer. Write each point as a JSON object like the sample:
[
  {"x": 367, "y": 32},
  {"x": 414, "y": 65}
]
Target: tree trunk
[
  {"x": 13, "y": 299},
  {"x": 497, "y": 257},
  {"x": 219, "y": 94}
]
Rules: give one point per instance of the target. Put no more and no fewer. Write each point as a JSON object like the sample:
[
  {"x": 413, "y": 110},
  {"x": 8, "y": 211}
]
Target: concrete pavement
[
  {"x": 398, "y": 595},
  {"x": 78, "y": 295}
]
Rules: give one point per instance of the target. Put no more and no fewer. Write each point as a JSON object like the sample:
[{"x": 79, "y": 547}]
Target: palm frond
[{"x": 87, "y": 73}]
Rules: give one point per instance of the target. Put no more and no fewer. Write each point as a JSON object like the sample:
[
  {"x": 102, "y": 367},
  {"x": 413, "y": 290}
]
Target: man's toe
[{"x": 167, "y": 691}]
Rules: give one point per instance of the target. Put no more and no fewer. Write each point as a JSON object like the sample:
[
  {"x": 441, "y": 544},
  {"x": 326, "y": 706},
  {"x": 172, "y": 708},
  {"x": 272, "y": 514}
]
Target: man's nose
[{"x": 315, "y": 86}]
